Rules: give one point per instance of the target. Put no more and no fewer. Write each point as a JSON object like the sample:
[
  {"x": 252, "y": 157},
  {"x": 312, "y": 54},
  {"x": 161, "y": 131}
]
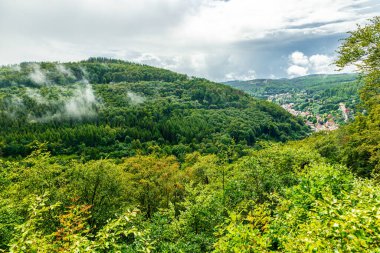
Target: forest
[
  {"x": 105, "y": 155},
  {"x": 106, "y": 108}
]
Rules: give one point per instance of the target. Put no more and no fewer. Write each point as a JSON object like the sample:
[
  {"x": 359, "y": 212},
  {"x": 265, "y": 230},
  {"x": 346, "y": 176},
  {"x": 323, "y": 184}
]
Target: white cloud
[
  {"x": 294, "y": 71},
  {"x": 301, "y": 65},
  {"x": 321, "y": 64},
  {"x": 299, "y": 58}
]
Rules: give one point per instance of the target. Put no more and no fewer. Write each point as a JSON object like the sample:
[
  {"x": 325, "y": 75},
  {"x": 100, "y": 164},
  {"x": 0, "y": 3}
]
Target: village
[{"x": 310, "y": 113}]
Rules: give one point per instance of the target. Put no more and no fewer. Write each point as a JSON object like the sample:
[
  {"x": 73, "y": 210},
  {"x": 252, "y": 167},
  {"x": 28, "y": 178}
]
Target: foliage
[
  {"x": 278, "y": 198},
  {"x": 328, "y": 211},
  {"x": 74, "y": 234}
]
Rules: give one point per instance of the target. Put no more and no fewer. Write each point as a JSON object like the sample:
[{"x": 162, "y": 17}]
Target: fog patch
[
  {"x": 75, "y": 102},
  {"x": 38, "y": 75},
  {"x": 64, "y": 71},
  {"x": 134, "y": 98},
  {"x": 36, "y": 96},
  {"x": 82, "y": 103},
  {"x": 15, "y": 67},
  {"x": 12, "y": 106},
  {"x": 84, "y": 73}
]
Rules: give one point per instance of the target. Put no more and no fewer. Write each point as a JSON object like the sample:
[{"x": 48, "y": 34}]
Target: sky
[{"x": 220, "y": 40}]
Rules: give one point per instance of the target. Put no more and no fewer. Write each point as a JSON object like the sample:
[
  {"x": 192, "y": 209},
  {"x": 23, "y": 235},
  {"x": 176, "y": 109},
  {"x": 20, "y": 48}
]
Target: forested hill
[
  {"x": 94, "y": 70},
  {"x": 111, "y": 108}
]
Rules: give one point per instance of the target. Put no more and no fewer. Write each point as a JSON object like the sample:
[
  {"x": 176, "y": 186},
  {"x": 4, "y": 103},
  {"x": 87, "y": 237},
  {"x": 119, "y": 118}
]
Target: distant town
[
  {"x": 322, "y": 123},
  {"x": 316, "y": 121},
  {"x": 325, "y": 102}
]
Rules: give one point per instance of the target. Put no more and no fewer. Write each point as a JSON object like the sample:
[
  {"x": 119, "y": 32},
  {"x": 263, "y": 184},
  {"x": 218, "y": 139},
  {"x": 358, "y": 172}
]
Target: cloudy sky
[{"x": 216, "y": 39}]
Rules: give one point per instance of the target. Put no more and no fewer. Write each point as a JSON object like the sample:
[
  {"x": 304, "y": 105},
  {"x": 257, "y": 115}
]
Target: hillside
[
  {"x": 110, "y": 108},
  {"x": 324, "y": 101}
]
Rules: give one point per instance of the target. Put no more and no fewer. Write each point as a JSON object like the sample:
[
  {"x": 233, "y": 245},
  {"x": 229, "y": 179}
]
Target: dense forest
[
  {"x": 110, "y": 156},
  {"x": 107, "y": 108}
]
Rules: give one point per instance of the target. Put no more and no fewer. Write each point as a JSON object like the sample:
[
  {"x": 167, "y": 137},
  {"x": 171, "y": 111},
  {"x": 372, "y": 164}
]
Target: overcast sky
[{"x": 216, "y": 39}]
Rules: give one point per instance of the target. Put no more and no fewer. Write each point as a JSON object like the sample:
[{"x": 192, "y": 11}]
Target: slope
[{"x": 111, "y": 108}]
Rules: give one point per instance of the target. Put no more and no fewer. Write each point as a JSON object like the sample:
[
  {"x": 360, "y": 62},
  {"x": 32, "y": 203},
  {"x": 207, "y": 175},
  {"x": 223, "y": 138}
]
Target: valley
[{"x": 324, "y": 102}]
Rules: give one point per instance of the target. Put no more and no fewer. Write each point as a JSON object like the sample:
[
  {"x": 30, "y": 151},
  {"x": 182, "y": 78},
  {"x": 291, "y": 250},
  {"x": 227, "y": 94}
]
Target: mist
[
  {"x": 36, "y": 96},
  {"x": 73, "y": 102},
  {"x": 83, "y": 103},
  {"x": 134, "y": 98},
  {"x": 38, "y": 75},
  {"x": 64, "y": 71}
]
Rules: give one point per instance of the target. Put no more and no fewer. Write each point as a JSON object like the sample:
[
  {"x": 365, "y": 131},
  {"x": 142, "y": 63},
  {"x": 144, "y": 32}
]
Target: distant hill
[
  {"x": 318, "y": 98},
  {"x": 111, "y": 108}
]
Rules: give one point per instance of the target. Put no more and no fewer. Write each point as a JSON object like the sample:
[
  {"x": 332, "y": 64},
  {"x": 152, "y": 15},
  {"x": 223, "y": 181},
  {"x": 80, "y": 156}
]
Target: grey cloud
[
  {"x": 270, "y": 57},
  {"x": 262, "y": 58},
  {"x": 259, "y": 58},
  {"x": 147, "y": 31},
  {"x": 315, "y": 25},
  {"x": 362, "y": 7}
]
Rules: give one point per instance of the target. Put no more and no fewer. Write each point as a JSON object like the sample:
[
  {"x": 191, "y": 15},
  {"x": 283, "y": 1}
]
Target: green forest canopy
[{"x": 109, "y": 108}]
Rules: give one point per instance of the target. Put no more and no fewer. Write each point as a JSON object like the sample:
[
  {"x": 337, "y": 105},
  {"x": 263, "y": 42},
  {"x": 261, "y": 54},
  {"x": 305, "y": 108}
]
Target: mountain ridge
[{"x": 292, "y": 78}]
